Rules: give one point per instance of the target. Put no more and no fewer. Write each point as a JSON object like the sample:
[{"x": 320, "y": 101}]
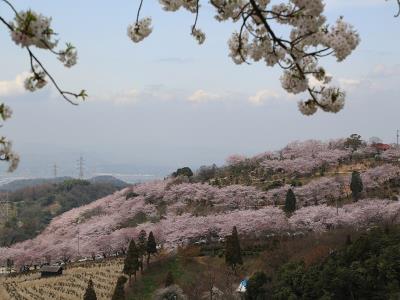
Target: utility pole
[
  {"x": 78, "y": 243},
  {"x": 80, "y": 167},
  {"x": 55, "y": 170},
  {"x": 397, "y": 136}
]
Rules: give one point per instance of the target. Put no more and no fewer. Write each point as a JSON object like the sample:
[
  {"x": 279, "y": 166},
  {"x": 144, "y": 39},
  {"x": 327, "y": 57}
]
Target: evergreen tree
[
  {"x": 151, "y": 246},
  {"x": 353, "y": 142},
  {"x": 233, "y": 255},
  {"x": 356, "y": 185},
  {"x": 131, "y": 264},
  {"x": 290, "y": 202},
  {"x": 256, "y": 289},
  {"x": 119, "y": 293},
  {"x": 185, "y": 171},
  {"x": 169, "y": 280},
  {"x": 90, "y": 294},
  {"x": 142, "y": 238},
  {"x": 348, "y": 240}
]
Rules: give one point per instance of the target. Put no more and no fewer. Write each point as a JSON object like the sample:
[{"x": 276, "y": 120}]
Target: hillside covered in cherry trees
[{"x": 246, "y": 192}]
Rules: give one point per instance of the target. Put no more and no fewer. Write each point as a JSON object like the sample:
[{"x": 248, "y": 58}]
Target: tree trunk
[{"x": 148, "y": 259}]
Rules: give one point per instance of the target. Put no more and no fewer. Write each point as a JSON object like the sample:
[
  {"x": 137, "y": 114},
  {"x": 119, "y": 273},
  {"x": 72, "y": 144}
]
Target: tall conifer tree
[
  {"x": 131, "y": 264},
  {"x": 356, "y": 185},
  {"x": 233, "y": 255},
  {"x": 119, "y": 293},
  {"x": 290, "y": 201},
  {"x": 90, "y": 293},
  {"x": 142, "y": 245},
  {"x": 151, "y": 246}
]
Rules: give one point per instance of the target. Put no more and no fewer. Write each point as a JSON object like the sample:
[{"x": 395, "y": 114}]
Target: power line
[{"x": 80, "y": 167}]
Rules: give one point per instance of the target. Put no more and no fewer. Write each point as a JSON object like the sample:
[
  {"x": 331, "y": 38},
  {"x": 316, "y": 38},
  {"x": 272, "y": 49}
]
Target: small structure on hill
[
  {"x": 242, "y": 288},
  {"x": 50, "y": 271},
  {"x": 380, "y": 147}
]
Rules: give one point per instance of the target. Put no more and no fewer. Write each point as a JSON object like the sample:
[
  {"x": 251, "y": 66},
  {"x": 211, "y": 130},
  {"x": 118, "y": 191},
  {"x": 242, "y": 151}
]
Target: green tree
[
  {"x": 233, "y": 255},
  {"x": 151, "y": 246},
  {"x": 356, "y": 185},
  {"x": 290, "y": 202},
  {"x": 90, "y": 293},
  {"x": 119, "y": 293},
  {"x": 142, "y": 239},
  {"x": 131, "y": 264},
  {"x": 256, "y": 289},
  {"x": 185, "y": 171},
  {"x": 169, "y": 279},
  {"x": 353, "y": 142},
  {"x": 368, "y": 268}
]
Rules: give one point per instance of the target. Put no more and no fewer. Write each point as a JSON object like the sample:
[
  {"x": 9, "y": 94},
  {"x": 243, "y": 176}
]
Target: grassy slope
[{"x": 32, "y": 209}]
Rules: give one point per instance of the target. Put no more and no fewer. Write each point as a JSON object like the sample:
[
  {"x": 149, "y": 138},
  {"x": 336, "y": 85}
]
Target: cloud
[
  {"x": 126, "y": 97},
  {"x": 263, "y": 96},
  {"x": 384, "y": 71},
  {"x": 380, "y": 78},
  {"x": 347, "y": 3},
  {"x": 175, "y": 60},
  {"x": 349, "y": 83},
  {"x": 13, "y": 87},
  {"x": 155, "y": 92},
  {"x": 200, "y": 96}
]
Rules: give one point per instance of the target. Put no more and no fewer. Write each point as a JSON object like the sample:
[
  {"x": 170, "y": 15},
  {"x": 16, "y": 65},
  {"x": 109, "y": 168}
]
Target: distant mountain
[
  {"x": 24, "y": 183},
  {"x": 110, "y": 180}
]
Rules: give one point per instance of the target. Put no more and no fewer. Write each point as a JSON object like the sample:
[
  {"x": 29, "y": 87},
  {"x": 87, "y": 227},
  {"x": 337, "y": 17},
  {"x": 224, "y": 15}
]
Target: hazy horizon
[{"x": 168, "y": 103}]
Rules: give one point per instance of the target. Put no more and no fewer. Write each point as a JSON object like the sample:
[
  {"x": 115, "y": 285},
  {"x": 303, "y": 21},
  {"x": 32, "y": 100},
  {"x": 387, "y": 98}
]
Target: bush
[{"x": 366, "y": 269}]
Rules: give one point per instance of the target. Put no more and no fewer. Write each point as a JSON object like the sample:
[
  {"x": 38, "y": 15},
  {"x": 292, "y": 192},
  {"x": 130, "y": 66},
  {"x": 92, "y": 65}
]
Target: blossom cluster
[
  {"x": 305, "y": 158},
  {"x": 101, "y": 235},
  {"x": 140, "y": 30},
  {"x": 6, "y": 152},
  {"x": 30, "y": 28},
  {"x": 392, "y": 154},
  {"x": 373, "y": 178},
  {"x": 309, "y": 39}
]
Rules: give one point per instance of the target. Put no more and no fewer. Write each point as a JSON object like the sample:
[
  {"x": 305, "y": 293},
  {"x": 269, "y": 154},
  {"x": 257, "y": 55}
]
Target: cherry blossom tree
[
  {"x": 296, "y": 49},
  {"x": 310, "y": 38},
  {"x": 31, "y": 30},
  {"x": 305, "y": 158}
]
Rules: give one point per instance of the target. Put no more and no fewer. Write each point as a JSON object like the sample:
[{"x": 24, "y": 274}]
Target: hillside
[
  {"x": 316, "y": 266},
  {"x": 248, "y": 193},
  {"x": 31, "y": 209},
  {"x": 25, "y": 183}
]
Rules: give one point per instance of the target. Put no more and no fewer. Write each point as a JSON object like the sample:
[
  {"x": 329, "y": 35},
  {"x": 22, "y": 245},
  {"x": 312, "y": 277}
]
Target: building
[
  {"x": 242, "y": 288},
  {"x": 49, "y": 271},
  {"x": 380, "y": 147}
]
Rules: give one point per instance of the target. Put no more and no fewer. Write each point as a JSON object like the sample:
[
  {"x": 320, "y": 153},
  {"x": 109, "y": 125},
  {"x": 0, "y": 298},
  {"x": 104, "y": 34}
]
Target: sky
[{"x": 168, "y": 102}]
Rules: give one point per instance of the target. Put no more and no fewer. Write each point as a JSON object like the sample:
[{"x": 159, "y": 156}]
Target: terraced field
[{"x": 70, "y": 286}]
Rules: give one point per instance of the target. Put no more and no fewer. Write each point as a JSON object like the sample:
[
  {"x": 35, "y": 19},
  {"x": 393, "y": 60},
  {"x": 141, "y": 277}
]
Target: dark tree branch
[
  {"x": 62, "y": 92},
  {"x": 138, "y": 12},
  {"x": 197, "y": 15},
  {"x": 33, "y": 59}
]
